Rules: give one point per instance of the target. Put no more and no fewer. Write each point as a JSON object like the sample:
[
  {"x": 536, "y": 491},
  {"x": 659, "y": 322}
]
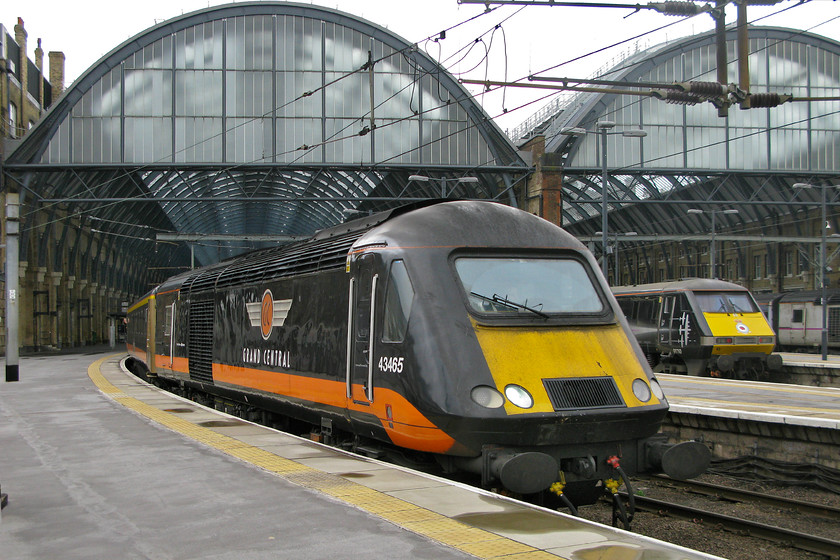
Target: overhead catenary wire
[
  {"x": 688, "y": 44},
  {"x": 761, "y": 100}
]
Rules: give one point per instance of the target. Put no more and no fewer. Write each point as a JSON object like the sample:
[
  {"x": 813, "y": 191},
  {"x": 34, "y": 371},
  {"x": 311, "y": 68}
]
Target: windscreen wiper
[
  {"x": 524, "y": 306},
  {"x": 494, "y": 299},
  {"x": 513, "y": 304}
]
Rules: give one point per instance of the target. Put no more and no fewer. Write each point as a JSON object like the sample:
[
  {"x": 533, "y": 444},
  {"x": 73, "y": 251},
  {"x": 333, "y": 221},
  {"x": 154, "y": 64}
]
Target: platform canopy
[
  {"x": 693, "y": 156},
  {"x": 254, "y": 119}
]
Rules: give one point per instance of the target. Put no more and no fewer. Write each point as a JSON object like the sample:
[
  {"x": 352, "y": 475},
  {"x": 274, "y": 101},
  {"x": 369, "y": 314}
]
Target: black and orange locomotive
[{"x": 473, "y": 332}]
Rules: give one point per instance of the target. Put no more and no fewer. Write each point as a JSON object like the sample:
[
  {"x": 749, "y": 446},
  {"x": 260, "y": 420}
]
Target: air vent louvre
[
  {"x": 583, "y": 392},
  {"x": 200, "y": 350},
  {"x": 300, "y": 258}
]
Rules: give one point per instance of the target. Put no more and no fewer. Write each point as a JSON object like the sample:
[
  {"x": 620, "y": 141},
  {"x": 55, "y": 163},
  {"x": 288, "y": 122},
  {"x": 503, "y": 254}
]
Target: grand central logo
[
  {"x": 265, "y": 315},
  {"x": 268, "y": 313}
]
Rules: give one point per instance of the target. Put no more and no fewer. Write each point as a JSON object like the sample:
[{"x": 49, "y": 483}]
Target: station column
[{"x": 12, "y": 280}]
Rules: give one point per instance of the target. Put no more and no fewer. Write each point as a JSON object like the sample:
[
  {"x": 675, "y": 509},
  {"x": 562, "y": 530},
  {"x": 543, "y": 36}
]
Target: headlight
[
  {"x": 487, "y": 397},
  {"x": 657, "y": 389},
  {"x": 519, "y": 396},
  {"x": 641, "y": 390}
]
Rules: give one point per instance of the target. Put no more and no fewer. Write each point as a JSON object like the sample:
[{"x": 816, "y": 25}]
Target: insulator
[
  {"x": 682, "y": 98},
  {"x": 676, "y": 8},
  {"x": 708, "y": 89},
  {"x": 767, "y": 99}
]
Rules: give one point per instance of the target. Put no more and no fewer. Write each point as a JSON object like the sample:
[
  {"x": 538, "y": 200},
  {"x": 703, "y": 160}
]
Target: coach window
[{"x": 399, "y": 296}]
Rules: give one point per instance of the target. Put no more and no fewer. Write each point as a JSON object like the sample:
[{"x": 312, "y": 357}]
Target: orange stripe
[
  {"x": 410, "y": 428},
  {"x": 163, "y": 361},
  {"x": 172, "y": 291}
]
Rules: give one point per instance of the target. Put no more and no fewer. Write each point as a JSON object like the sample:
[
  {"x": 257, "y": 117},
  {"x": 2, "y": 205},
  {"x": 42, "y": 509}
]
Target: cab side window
[{"x": 399, "y": 296}]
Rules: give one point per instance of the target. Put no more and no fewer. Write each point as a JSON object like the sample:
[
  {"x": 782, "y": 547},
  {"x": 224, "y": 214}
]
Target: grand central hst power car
[{"x": 471, "y": 332}]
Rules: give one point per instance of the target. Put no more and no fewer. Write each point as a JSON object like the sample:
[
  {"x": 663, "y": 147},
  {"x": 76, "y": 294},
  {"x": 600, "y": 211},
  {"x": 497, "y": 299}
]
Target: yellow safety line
[{"x": 472, "y": 540}]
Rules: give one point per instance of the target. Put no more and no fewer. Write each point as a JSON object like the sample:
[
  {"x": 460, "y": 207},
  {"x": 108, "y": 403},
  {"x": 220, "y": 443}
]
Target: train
[
  {"x": 700, "y": 327},
  {"x": 797, "y": 318},
  {"x": 468, "y": 334}
]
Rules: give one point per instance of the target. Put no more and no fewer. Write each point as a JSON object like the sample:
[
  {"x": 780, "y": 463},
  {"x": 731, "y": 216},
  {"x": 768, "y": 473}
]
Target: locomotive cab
[{"x": 515, "y": 354}]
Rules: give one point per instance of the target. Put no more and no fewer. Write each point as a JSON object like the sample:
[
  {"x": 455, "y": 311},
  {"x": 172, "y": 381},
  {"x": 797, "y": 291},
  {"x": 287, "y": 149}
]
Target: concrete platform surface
[
  {"x": 100, "y": 465},
  {"x": 753, "y": 400}
]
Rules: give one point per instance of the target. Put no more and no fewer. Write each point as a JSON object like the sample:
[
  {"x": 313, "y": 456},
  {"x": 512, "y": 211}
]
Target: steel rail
[
  {"x": 788, "y": 537},
  {"x": 739, "y": 495}
]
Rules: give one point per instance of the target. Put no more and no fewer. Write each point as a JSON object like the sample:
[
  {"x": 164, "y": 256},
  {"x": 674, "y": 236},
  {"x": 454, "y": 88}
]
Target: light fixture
[
  {"x": 572, "y": 131},
  {"x": 641, "y": 390},
  {"x": 634, "y": 133},
  {"x": 519, "y": 396},
  {"x": 487, "y": 397}
]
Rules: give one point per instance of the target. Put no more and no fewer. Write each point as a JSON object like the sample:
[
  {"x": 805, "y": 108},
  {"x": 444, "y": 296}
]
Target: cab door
[
  {"x": 799, "y": 324},
  {"x": 678, "y": 326},
  {"x": 668, "y": 323},
  {"x": 151, "y": 321},
  {"x": 168, "y": 336},
  {"x": 361, "y": 332}
]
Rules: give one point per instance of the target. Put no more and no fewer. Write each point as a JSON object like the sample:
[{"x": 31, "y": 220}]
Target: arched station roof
[
  {"x": 691, "y": 156},
  {"x": 257, "y": 118}
]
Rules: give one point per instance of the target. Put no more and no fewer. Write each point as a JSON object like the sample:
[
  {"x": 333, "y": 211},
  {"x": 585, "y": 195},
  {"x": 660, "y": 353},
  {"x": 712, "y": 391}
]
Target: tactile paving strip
[{"x": 471, "y": 540}]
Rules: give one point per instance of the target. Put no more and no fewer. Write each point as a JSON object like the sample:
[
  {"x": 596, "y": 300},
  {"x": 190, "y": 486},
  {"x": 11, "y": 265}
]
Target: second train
[{"x": 700, "y": 327}]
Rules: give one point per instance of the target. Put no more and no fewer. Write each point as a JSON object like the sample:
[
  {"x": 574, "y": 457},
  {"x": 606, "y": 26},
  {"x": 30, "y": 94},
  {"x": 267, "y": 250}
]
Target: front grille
[
  {"x": 583, "y": 392},
  {"x": 200, "y": 349}
]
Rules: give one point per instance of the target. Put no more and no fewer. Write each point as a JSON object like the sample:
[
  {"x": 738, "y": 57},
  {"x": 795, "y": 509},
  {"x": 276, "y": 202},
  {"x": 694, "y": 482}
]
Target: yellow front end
[
  {"x": 527, "y": 356},
  {"x": 740, "y": 333}
]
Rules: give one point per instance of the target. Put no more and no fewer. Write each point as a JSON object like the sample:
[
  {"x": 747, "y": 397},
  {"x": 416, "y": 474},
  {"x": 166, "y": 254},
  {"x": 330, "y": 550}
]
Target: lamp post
[
  {"x": 823, "y": 294},
  {"x": 712, "y": 246},
  {"x": 617, "y": 267},
  {"x": 443, "y": 181},
  {"x": 603, "y": 128}
]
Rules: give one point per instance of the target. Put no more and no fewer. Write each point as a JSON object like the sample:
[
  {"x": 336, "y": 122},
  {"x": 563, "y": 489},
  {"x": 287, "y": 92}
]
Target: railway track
[
  {"x": 788, "y": 537},
  {"x": 738, "y": 495}
]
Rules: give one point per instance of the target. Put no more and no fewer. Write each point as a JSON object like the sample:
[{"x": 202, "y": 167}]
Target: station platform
[
  {"x": 766, "y": 401},
  {"x": 793, "y": 424},
  {"x": 809, "y": 369},
  {"x": 793, "y": 359},
  {"x": 99, "y": 464}
]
